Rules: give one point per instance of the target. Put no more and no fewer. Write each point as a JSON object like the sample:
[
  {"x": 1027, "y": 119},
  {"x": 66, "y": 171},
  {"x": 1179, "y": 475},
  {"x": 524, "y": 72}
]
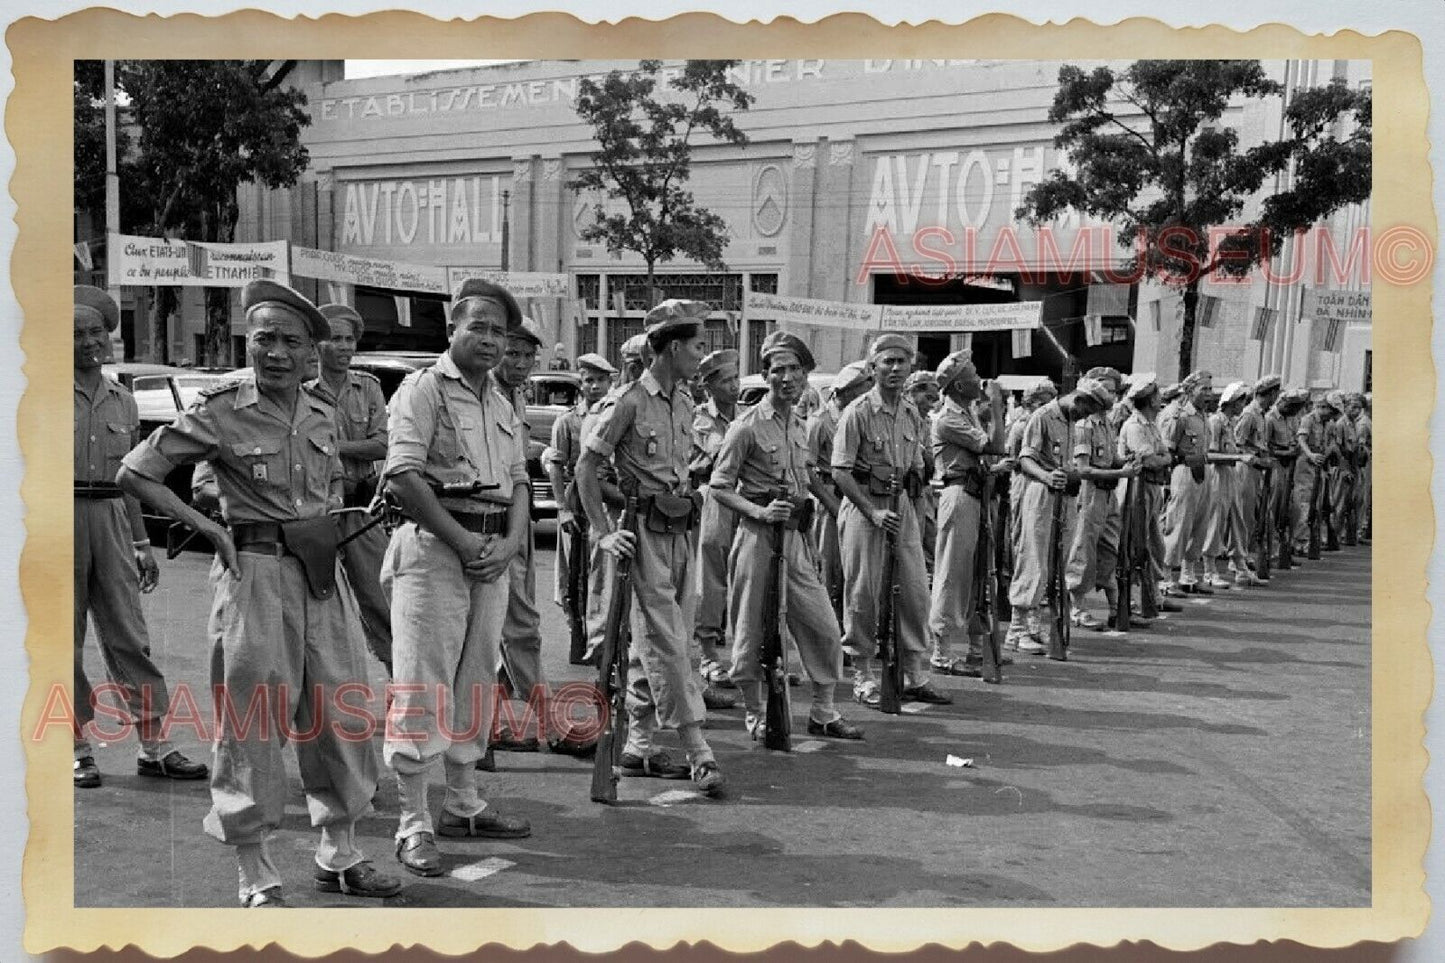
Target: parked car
[
  {"x": 390, "y": 367},
  {"x": 754, "y": 386}
]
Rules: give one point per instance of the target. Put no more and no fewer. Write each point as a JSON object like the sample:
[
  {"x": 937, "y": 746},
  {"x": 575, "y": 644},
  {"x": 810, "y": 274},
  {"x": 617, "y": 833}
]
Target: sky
[{"x": 381, "y": 68}]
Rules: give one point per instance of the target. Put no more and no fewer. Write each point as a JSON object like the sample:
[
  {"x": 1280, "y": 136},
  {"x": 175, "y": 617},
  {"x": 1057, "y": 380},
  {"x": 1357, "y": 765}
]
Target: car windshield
[{"x": 153, "y": 397}]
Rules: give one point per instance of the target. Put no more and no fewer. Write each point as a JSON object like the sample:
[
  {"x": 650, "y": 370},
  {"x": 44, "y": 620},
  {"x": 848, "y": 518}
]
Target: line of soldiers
[{"x": 837, "y": 520}]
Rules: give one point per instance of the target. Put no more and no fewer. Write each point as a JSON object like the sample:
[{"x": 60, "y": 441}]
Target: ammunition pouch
[
  {"x": 669, "y": 514},
  {"x": 1105, "y": 484},
  {"x": 970, "y": 481},
  {"x": 1155, "y": 476},
  {"x": 1073, "y": 486},
  {"x": 878, "y": 481}
]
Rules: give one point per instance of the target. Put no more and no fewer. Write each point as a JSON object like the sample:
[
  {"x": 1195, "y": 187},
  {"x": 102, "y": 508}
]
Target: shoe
[
  {"x": 488, "y": 762},
  {"x": 171, "y": 766},
  {"x": 756, "y": 726},
  {"x": 418, "y": 853},
  {"x": 716, "y": 699},
  {"x": 1086, "y": 620},
  {"x": 488, "y": 823},
  {"x": 570, "y": 744},
  {"x": 1196, "y": 588},
  {"x": 928, "y": 694},
  {"x": 715, "y": 674},
  {"x": 839, "y": 728},
  {"x": 868, "y": 694},
  {"x": 1172, "y": 590},
  {"x": 363, "y": 879},
  {"x": 87, "y": 773},
  {"x": 1216, "y": 582},
  {"x": 656, "y": 766},
  {"x": 708, "y": 778},
  {"x": 268, "y": 898},
  {"x": 1030, "y": 646},
  {"x": 1247, "y": 580},
  {"x": 509, "y": 742},
  {"x": 1005, "y": 660},
  {"x": 956, "y": 667}
]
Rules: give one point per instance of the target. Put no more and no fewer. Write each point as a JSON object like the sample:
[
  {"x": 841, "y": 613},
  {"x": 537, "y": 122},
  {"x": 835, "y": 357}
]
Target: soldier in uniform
[
  {"x": 718, "y": 375},
  {"x": 113, "y": 561},
  {"x": 921, "y": 388},
  {"x": 457, "y": 465},
  {"x": 959, "y": 442},
  {"x": 1044, "y": 461},
  {"x": 1186, "y": 519},
  {"x": 647, "y": 432},
  {"x": 763, "y": 473},
  {"x": 1227, "y": 535},
  {"x": 361, "y": 439},
  {"x": 1141, "y": 444},
  {"x": 1313, "y": 439},
  {"x": 882, "y": 435},
  {"x": 850, "y": 382},
  {"x": 1094, "y": 546},
  {"x": 288, "y": 636},
  {"x": 1365, "y": 439},
  {"x": 1344, "y": 475},
  {"x": 1253, "y": 439},
  {"x": 1280, "y": 424}
]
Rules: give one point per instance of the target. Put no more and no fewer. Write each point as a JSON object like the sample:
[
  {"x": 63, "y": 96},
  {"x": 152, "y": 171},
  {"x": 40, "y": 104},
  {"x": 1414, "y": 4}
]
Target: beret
[
  {"x": 597, "y": 363},
  {"x": 89, "y": 296},
  {"x": 1297, "y": 395},
  {"x": 886, "y": 342},
  {"x": 1041, "y": 392},
  {"x": 717, "y": 362},
  {"x": 852, "y": 375},
  {"x": 952, "y": 366},
  {"x": 1141, "y": 389},
  {"x": 1095, "y": 389},
  {"x": 674, "y": 314},
  {"x": 783, "y": 341},
  {"x": 344, "y": 312},
  {"x": 637, "y": 344},
  {"x": 1197, "y": 380},
  {"x": 487, "y": 291},
  {"x": 1267, "y": 384},
  {"x": 1105, "y": 372},
  {"x": 1231, "y": 391},
  {"x": 267, "y": 292},
  {"x": 1170, "y": 392},
  {"x": 526, "y": 331},
  {"x": 919, "y": 379},
  {"x": 1335, "y": 400}
]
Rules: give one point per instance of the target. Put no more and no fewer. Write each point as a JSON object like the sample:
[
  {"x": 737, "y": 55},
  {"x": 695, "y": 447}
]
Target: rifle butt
[
  {"x": 604, "y": 768},
  {"x": 778, "y": 725}
]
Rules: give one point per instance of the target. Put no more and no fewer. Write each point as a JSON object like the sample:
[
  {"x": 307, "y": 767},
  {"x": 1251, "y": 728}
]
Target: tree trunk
[
  {"x": 162, "y": 303},
  {"x": 1186, "y": 329},
  {"x": 218, "y": 326}
]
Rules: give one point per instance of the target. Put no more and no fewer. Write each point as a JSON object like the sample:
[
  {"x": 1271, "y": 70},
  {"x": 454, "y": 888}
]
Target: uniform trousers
[
  {"x": 955, "y": 555},
  {"x": 286, "y": 667},
  {"x": 715, "y": 539},
  {"x": 1033, "y": 565},
  {"x": 1304, "y": 490},
  {"x": 1091, "y": 514},
  {"x": 108, "y": 584},
  {"x": 361, "y": 562},
  {"x": 522, "y": 629},
  {"x": 830, "y": 562},
  {"x": 862, "y": 548},
  {"x": 447, "y": 636},
  {"x": 1186, "y": 522},
  {"x": 1342, "y": 486},
  {"x": 1250, "y": 482},
  {"x": 1227, "y": 533},
  {"x": 1146, "y": 528}
]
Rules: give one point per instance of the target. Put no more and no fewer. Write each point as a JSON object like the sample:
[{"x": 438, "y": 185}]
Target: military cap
[
  {"x": 852, "y": 375},
  {"x": 1232, "y": 391},
  {"x": 783, "y": 341},
  {"x": 1267, "y": 384},
  {"x": 485, "y": 290},
  {"x": 1297, "y": 396},
  {"x": 1335, "y": 400},
  {"x": 886, "y": 342},
  {"x": 637, "y": 344},
  {"x": 1141, "y": 389},
  {"x": 676, "y": 313},
  {"x": 526, "y": 331},
  {"x": 1170, "y": 392},
  {"x": 1356, "y": 397},
  {"x": 1105, "y": 373},
  {"x": 718, "y": 362},
  {"x": 951, "y": 367},
  {"x": 344, "y": 312},
  {"x": 1095, "y": 389},
  {"x": 1041, "y": 392},
  {"x": 94, "y": 299},
  {"x": 597, "y": 363},
  {"x": 919, "y": 379},
  {"x": 267, "y": 292},
  {"x": 1196, "y": 381}
]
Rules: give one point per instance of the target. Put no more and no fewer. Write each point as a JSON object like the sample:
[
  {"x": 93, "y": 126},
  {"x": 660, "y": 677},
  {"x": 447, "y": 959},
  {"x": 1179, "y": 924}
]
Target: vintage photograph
[{"x": 831, "y": 483}]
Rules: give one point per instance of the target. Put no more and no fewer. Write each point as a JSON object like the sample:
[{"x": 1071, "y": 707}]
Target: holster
[
  {"x": 1105, "y": 484},
  {"x": 313, "y": 542},
  {"x": 970, "y": 481},
  {"x": 669, "y": 514}
]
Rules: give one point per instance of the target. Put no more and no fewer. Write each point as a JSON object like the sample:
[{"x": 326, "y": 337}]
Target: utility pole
[
  {"x": 506, "y": 230},
  {"x": 112, "y": 201}
]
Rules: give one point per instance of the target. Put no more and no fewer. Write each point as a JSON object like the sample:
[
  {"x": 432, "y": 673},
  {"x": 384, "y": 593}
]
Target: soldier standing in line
[
  {"x": 457, "y": 464},
  {"x": 361, "y": 439},
  {"x": 1280, "y": 425},
  {"x": 1186, "y": 519},
  {"x": 286, "y": 631},
  {"x": 921, "y": 388},
  {"x": 1096, "y": 460},
  {"x": 850, "y": 382},
  {"x": 647, "y": 432},
  {"x": 718, "y": 375},
  {"x": 1365, "y": 437},
  {"x": 765, "y": 450},
  {"x": 1313, "y": 438},
  {"x": 959, "y": 442},
  {"x": 1227, "y": 535},
  {"x": 1344, "y": 476},
  {"x": 113, "y": 561},
  {"x": 881, "y": 436},
  {"x": 1141, "y": 444},
  {"x": 1044, "y": 461},
  {"x": 1253, "y": 439}
]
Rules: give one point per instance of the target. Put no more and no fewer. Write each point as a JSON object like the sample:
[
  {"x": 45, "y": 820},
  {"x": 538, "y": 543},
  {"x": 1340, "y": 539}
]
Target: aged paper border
[{"x": 38, "y": 124}]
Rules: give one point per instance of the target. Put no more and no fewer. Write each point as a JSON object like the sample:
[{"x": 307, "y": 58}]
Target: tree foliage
[
  {"x": 645, "y": 158},
  {"x": 1149, "y": 153}
]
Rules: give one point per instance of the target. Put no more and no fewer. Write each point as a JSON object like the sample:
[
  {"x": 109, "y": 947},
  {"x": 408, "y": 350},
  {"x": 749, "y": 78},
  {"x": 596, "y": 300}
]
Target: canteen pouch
[
  {"x": 880, "y": 480},
  {"x": 913, "y": 484},
  {"x": 669, "y": 514},
  {"x": 313, "y": 542}
]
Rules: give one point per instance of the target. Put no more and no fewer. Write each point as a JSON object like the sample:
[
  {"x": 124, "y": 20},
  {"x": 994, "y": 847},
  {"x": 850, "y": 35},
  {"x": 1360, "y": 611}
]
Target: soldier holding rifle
[
  {"x": 850, "y": 382},
  {"x": 763, "y": 473},
  {"x": 1251, "y": 432},
  {"x": 1100, "y": 470},
  {"x": 1309, "y": 472}
]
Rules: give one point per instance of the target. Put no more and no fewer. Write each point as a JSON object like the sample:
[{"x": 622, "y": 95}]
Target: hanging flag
[
  {"x": 82, "y": 254},
  {"x": 619, "y": 303},
  {"x": 1263, "y": 321},
  {"x": 732, "y": 319},
  {"x": 966, "y": 341},
  {"x": 1155, "y": 308},
  {"x": 1332, "y": 334},
  {"x": 1108, "y": 300},
  {"x": 1023, "y": 342},
  {"x": 1206, "y": 310},
  {"x": 1093, "y": 330},
  {"x": 403, "y": 311},
  {"x": 335, "y": 292},
  {"x": 198, "y": 260}
]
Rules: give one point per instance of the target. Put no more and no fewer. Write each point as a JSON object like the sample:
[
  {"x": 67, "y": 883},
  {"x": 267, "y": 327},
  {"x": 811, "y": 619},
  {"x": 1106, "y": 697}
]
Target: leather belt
[
  {"x": 92, "y": 490},
  {"x": 800, "y": 519},
  {"x": 482, "y": 523},
  {"x": 258, "y": 538}
]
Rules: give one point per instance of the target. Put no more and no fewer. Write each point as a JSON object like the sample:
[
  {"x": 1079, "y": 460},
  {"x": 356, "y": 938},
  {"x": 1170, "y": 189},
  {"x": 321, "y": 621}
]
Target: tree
[
  {"x": 646, "y": 157},
  {"x": 1149, "y": 154},
  {"x": 202, "y": 128}
]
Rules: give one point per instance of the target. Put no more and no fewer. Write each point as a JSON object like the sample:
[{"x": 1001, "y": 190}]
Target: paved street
[{"x": 1218, "y": 759}]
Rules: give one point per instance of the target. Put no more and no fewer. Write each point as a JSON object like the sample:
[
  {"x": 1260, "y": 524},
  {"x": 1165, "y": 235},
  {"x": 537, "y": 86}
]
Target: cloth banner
[
  {"x": 335, "y": 267},
  {"x": 1023, "y": 341},
  {"x": 149, "y": 261},
  {"x": 403, "y": 310},
  {"x": 1108, "y": 300},
  {"x": 1093, "y": 330}
]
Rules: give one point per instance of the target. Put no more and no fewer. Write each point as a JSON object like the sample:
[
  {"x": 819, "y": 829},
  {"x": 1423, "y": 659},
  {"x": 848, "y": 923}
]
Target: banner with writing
[
  {"x": 828, "y": 314},
  {"x": 1346, "y": 306},
  {"x": 522, "y": 284},
  {"x": 147, "y": 261},
  {"x": 308, "y": 262},
  {"x": 1006, "y": 316}
]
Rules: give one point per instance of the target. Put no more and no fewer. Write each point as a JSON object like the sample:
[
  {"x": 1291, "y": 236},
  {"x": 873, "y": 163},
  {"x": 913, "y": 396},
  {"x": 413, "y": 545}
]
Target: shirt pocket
[
  {"x": 315, "y": 466},
  {"x": 117, "y": 440},
  {"x": 448, "y": 451},
  {"x": 262, "y": 462},
  {"x": 647, "y": 443}
]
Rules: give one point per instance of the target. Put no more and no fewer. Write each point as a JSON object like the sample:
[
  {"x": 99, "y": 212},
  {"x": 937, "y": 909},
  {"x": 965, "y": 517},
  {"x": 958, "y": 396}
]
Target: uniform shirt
[
  {"x": 1365, "y": 433},
  {"x": 1186, "y": 434},
  {"x": 1096, "y": 441},
  {"x": 517, "y": 397},
  {"x": 1340, "y": 434},
  {"x": 1279, "y": 431},
  {"x": 566, "y": 446},
  {"x": 709, "y": 425},
  {"x": 647, "y": 434},
  {"x": 762, "y": 450},
  {"x": 1014, "y": 441},
  {"x": 1222, "y": 435},
  {"x": 360, "y": 416},
  {"x": 105, "y": 429},
  {"x": 450, "y": 434},
  {"x": 1048, "y": 436},
  {"x": 1312, "y": 432},
  {"x": 1250, "y": 431},
  {"x": 1138, "y": 438},
  {"x": 1168, "y": 415},
  {"x": 870, "y": 434},
  {"x": 1118, "y": 415},
  {"x": 270, "y": 465},
  {"x": 958, "y": 440},
  {"x": 822, "y": 429}
]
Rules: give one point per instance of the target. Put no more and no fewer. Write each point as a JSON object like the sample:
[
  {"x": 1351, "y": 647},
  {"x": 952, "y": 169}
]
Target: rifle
[
  {"x": 778, "y": 724},
  {"x": 612, "y": 672},
  {"x": 1314, "y": 517},
  {"x": 1284, "y": 524},
  {"x": 891, "y": 697},
  {"x": 576, "y": 597},
  {"x": 1003, "y": 564},
  {"x": 983, "y": 621},
  {"x": 1264, "y": 548},
  {"x": 1058, "y": 593},
  {"x": 1124, "y": 567}
]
